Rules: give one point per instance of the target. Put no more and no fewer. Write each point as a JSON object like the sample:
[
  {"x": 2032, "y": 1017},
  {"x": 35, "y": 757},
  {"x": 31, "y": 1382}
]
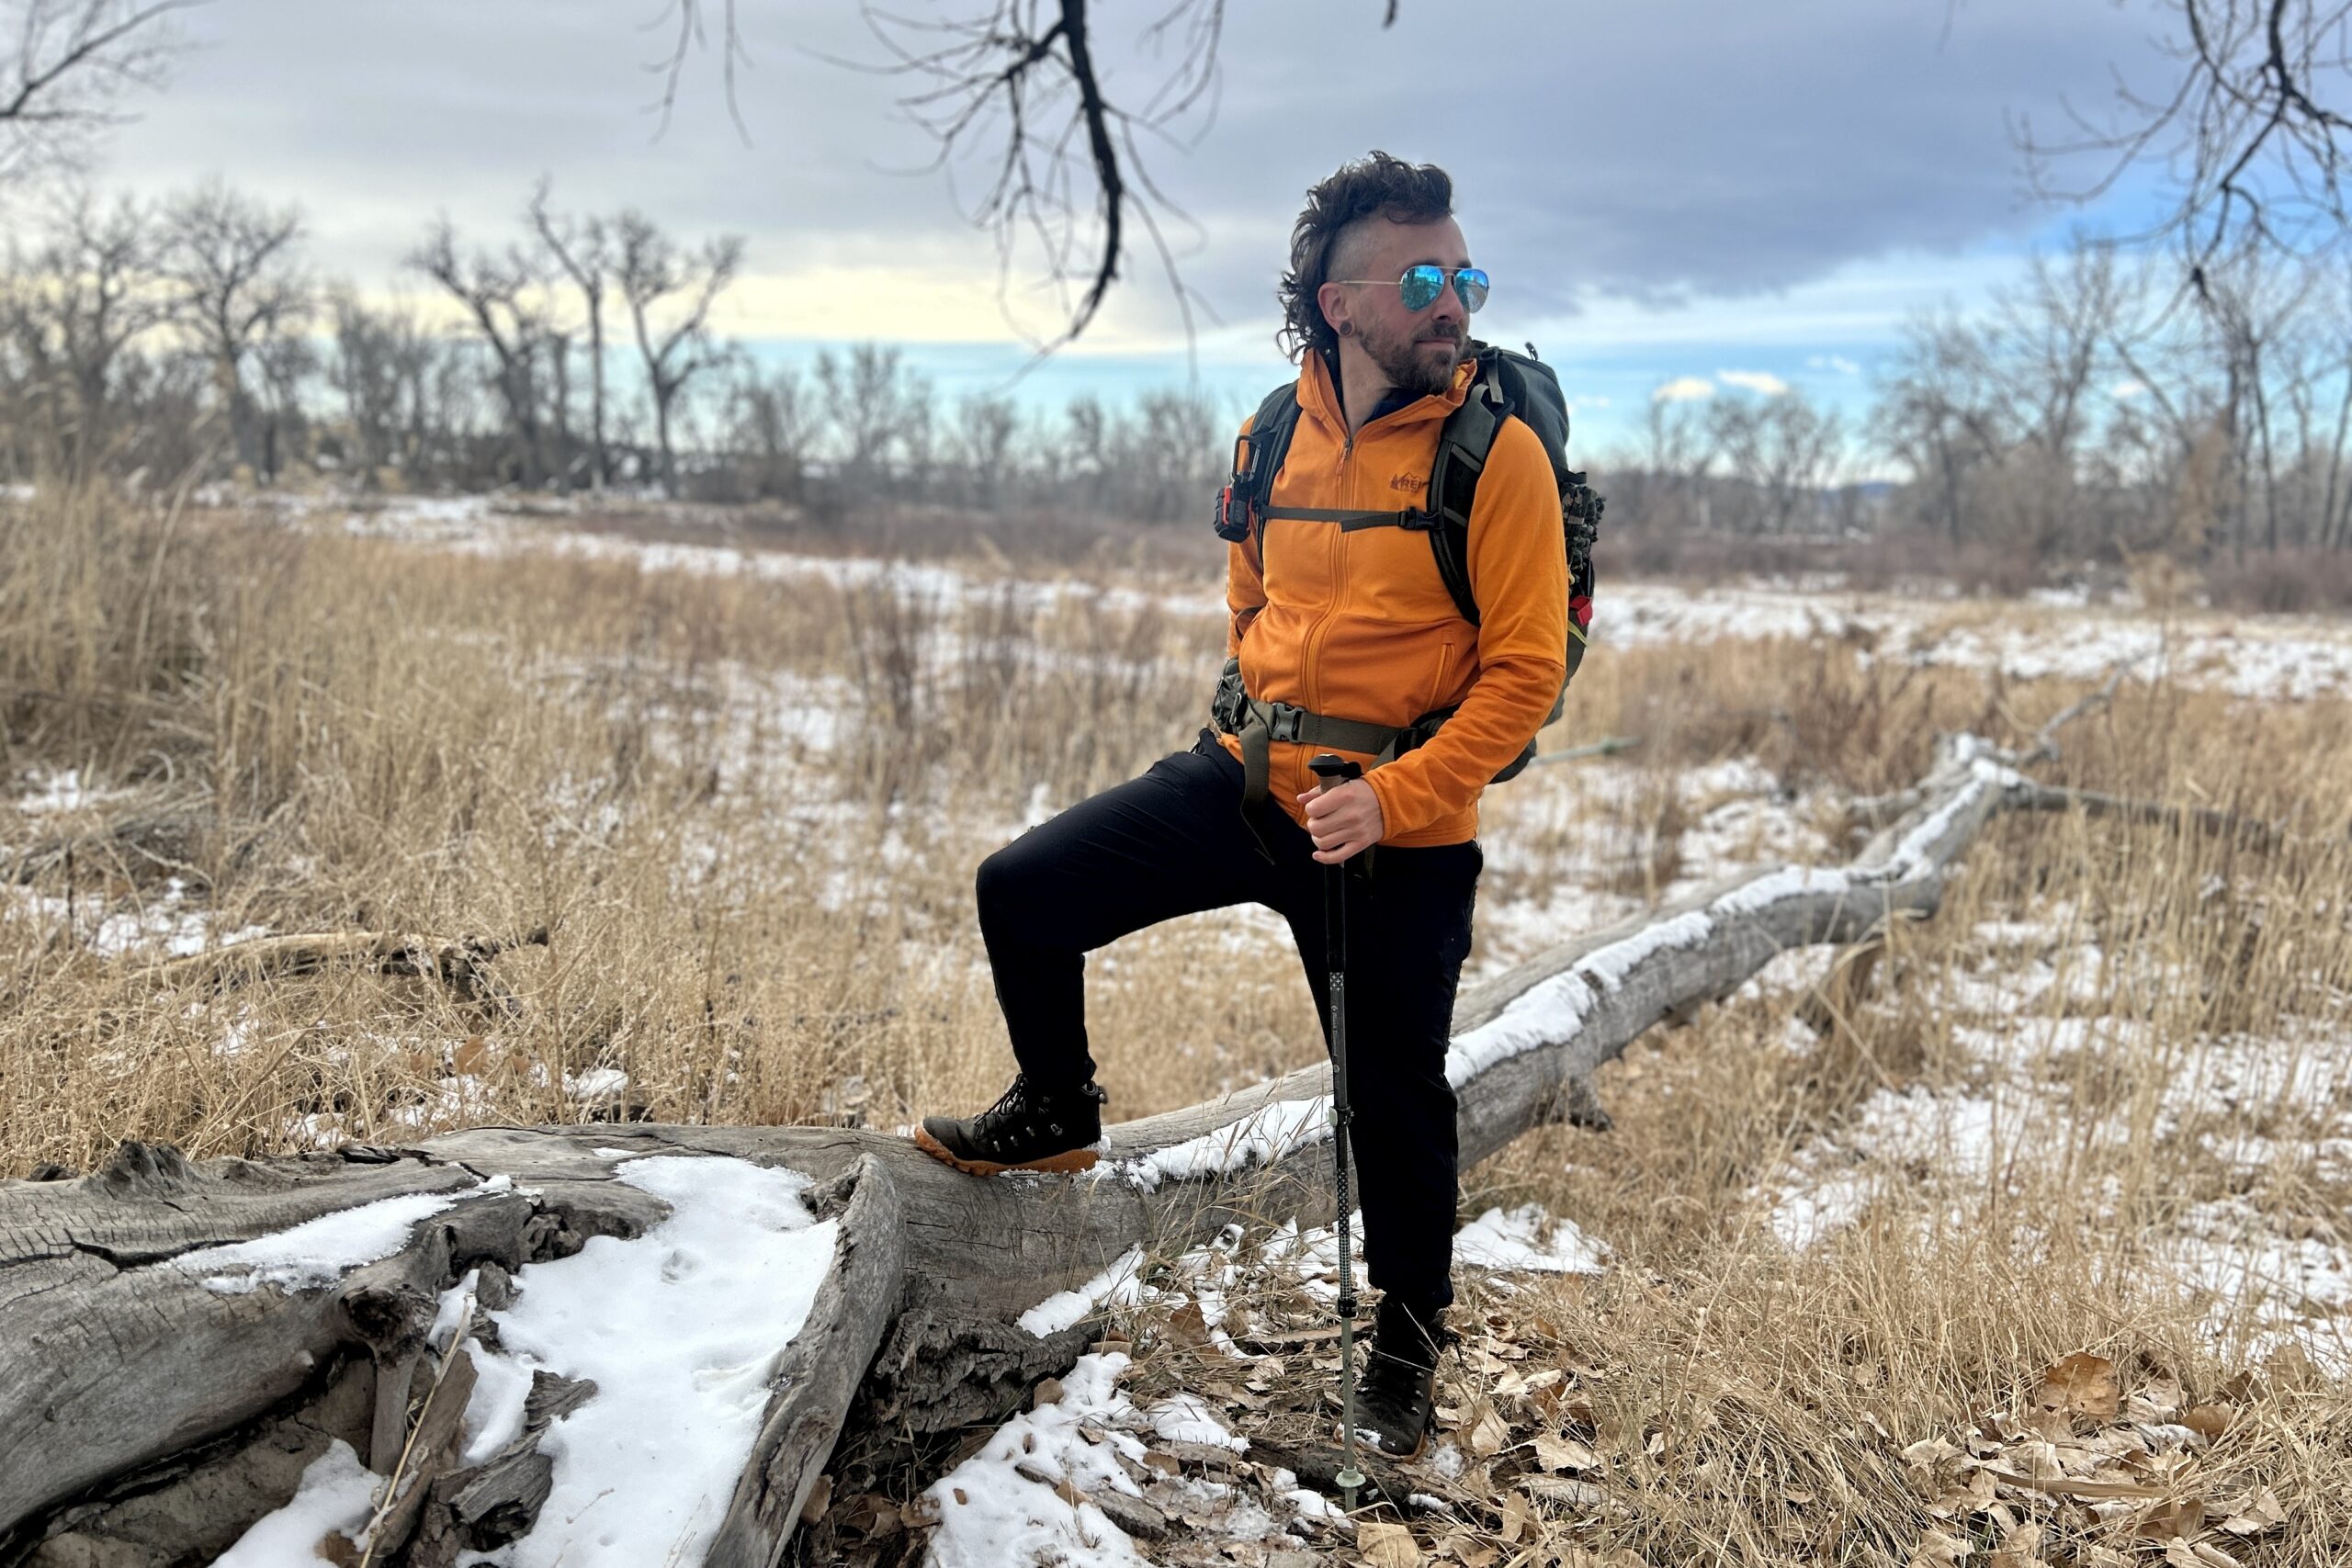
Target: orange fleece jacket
[{"x": 1360, "y": 626}]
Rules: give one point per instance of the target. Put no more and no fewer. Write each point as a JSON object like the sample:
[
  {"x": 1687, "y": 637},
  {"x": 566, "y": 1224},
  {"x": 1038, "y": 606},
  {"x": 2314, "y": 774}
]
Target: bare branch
[
  {"x": 64, "y": 64},
  {"x": 2250, "y": 139},
  {"x": 1061, "y": 174}
]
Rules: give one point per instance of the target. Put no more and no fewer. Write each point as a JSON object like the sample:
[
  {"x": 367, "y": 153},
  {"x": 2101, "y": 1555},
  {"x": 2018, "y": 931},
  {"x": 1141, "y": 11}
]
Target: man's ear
[{"x": 1333, "y": 299}]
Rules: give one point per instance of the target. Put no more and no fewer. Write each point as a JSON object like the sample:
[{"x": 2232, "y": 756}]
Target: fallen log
[{"x": 137, "y": 1362}]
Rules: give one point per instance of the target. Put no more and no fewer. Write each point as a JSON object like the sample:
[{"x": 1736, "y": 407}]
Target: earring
[{"x": 1347, "y": 328}]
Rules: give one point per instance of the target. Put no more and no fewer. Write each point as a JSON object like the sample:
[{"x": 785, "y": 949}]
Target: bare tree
[
  {"x": 498, "y": 293},
  {"x": 1670, "y": 489},
  {"x": 1087, "y": 447},
  {"x": 1937, "y": 415},
  {"x": 772, "y": 422},
  {"x": 983, "y": 441},
  {"x": 651, "y": 268},
  {"x": 582, "y": 247},
  {"x": 864, "y": 398},
  {"x": 1175, "y": 453},
  {"x": 230, "y": 263},
  {"x": 919, "y": 436},
  {"x": 1782, "y": 452},
  {"x": 72, "y": 308},
  {"x": 2250, "y": 130},
  {"x": 380, "y": 363},
  {"x": 64, "y": 65},
  {"x": 2250, "y": 310}
]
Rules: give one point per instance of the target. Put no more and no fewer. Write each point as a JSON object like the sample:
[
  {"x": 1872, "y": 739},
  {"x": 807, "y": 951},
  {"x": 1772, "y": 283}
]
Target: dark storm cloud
[{"x": 1660, "y": 149}]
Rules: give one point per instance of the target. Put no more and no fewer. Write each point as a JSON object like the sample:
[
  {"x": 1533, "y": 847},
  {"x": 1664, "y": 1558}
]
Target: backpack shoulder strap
[
  {"x": 1256, "y": 459},
  {"x": 1462, "y": 449}
]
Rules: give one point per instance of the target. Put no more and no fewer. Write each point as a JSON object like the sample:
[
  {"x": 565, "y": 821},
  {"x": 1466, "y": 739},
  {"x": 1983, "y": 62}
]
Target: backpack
[{"x": 1503, "y": 385}]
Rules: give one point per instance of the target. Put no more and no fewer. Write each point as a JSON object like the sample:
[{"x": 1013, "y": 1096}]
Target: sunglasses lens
[
  {"x": 1471, "y": 284},
  {"x": 1420, "y": 286}
]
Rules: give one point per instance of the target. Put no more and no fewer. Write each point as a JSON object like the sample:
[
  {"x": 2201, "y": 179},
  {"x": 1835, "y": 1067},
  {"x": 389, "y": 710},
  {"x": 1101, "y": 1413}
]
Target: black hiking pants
[{"x": 1173, "y": 842}]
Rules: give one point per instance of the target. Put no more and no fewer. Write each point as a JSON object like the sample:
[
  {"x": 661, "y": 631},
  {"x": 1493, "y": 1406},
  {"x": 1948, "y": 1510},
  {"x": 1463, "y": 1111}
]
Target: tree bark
[{"x": 121, "y": 1372}]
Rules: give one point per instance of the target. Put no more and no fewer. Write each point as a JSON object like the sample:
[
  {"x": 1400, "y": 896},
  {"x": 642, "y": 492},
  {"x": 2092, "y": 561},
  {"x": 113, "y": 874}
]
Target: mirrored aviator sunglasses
[{"x": 1421, "y": 285}]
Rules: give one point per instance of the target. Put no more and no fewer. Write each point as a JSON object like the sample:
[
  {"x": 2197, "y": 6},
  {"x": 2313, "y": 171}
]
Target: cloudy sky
[{"x": 1670, "y": 193}]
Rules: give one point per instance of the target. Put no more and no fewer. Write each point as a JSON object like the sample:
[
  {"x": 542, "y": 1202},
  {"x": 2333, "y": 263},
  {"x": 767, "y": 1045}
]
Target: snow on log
[{"x": 170, "y": 1334}]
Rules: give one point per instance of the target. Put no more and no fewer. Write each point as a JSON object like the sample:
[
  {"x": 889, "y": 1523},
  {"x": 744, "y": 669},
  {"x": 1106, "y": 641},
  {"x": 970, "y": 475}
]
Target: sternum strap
[{"x": 1349, "y": 521}]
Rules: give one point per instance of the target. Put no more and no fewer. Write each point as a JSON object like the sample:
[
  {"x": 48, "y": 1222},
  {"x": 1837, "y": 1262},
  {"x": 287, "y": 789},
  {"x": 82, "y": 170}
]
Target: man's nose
[{"x": 1447, "y": 306}]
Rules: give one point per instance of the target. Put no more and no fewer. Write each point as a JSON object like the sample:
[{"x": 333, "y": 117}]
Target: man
[{"x": 1356, "y": 624}]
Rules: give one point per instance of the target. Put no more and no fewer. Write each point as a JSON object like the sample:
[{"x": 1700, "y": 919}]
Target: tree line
[
  {"x": 190, "y": 336},
  {"x": 2098, "y": 408},
  {"x": 2106, "y": 405}
]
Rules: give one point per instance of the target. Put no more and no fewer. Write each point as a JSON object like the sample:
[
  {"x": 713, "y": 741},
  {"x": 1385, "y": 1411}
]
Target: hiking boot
[
  {"x": 1027, "y": 1129},
  {"x": 1393, "y": 1402}
]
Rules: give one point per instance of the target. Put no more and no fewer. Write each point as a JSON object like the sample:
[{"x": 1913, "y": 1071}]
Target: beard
[{"x": 1412, "y": 366}]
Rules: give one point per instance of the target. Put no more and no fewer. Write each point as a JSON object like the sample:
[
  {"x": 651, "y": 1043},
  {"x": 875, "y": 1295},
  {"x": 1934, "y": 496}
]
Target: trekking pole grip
[{"x": 1333, "y": 771}]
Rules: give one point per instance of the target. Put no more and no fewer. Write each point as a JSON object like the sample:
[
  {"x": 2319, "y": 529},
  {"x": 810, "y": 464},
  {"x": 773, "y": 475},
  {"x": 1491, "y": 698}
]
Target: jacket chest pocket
[{"x": 1392, "y": 575}]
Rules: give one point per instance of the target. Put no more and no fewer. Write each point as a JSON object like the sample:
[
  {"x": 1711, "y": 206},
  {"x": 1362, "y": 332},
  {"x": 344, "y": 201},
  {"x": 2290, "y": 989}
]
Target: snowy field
[{"x": 2027, "y": 1000}]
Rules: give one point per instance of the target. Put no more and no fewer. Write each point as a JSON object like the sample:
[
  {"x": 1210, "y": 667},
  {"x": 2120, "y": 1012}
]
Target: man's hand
[{"x": 1343, "y": 821}]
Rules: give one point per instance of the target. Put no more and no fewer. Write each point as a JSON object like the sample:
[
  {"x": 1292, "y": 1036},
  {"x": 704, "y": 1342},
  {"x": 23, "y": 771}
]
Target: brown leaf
[
  {"x": 2081, "y": 1385},
  {"x": 1936, "y": 1549},
  {"x": 1163, "y": 1462},
  {"x": 2173, "y": 1519},
  {"x": 472, "y": 1055},
  {"x": 1563, "y": 1453},
  {"x": 873, "y": 1514},
  {"x": 961, "y": 1501},
  {"x": 2255, "y": 1512},
  {"x": 1489, "y": 1437},
  {"x": 1517, "y": 1516},
  {"x": 2209, "y": 1421},
  {"x": 1046, "y": 1392},
  {"x": 821, "y": 1497},
  {"x": 2022, "y": 1548},
  {"x": 1188, "y": 1326},
  {"x": 1387, "y": 1546}
]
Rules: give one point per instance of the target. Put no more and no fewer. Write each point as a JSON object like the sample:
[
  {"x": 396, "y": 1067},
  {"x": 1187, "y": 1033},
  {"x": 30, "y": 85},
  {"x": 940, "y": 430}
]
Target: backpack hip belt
[{"x": 1259, "y": 725}]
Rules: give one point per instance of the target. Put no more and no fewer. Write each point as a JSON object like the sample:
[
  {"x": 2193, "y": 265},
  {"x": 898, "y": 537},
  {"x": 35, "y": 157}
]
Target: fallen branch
[
  {"x": 1608, "y": 746},
  {"x": 461, "y": 964},
  {"x": 2205, "y": 818}
]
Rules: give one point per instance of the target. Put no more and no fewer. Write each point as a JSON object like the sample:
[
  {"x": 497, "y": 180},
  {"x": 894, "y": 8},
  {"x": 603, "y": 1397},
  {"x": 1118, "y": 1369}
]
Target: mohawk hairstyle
[{"x": 1377, "y": 186}]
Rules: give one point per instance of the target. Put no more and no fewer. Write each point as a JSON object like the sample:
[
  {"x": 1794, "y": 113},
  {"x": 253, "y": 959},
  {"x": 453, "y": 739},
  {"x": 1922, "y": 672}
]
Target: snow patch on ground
[
  {"x": 1516, "y": 1240},
  {"x": 2270, "y": 1111},
  {"x": 166, "y": 926},
  {"x": 992, "y": 1515},
  {"x": 48, "y": 793}
]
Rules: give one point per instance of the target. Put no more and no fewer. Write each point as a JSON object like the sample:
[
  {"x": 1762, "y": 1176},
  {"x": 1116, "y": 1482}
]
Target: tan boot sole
[{"x": 1061, "y": 1164}]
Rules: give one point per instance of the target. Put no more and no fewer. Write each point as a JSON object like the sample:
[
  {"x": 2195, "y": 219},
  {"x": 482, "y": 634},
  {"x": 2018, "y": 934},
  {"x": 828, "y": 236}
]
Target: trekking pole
[{"x": 1333, "y": 772}]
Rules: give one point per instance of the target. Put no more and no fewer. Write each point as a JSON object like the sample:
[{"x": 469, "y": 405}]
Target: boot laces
[
  {"x": 1021, "y": 1108},
  {"x": 1010, "y": 1112}
]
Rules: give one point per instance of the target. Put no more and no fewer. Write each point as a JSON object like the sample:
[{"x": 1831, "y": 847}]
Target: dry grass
[{"x": 747, "y": 811}]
